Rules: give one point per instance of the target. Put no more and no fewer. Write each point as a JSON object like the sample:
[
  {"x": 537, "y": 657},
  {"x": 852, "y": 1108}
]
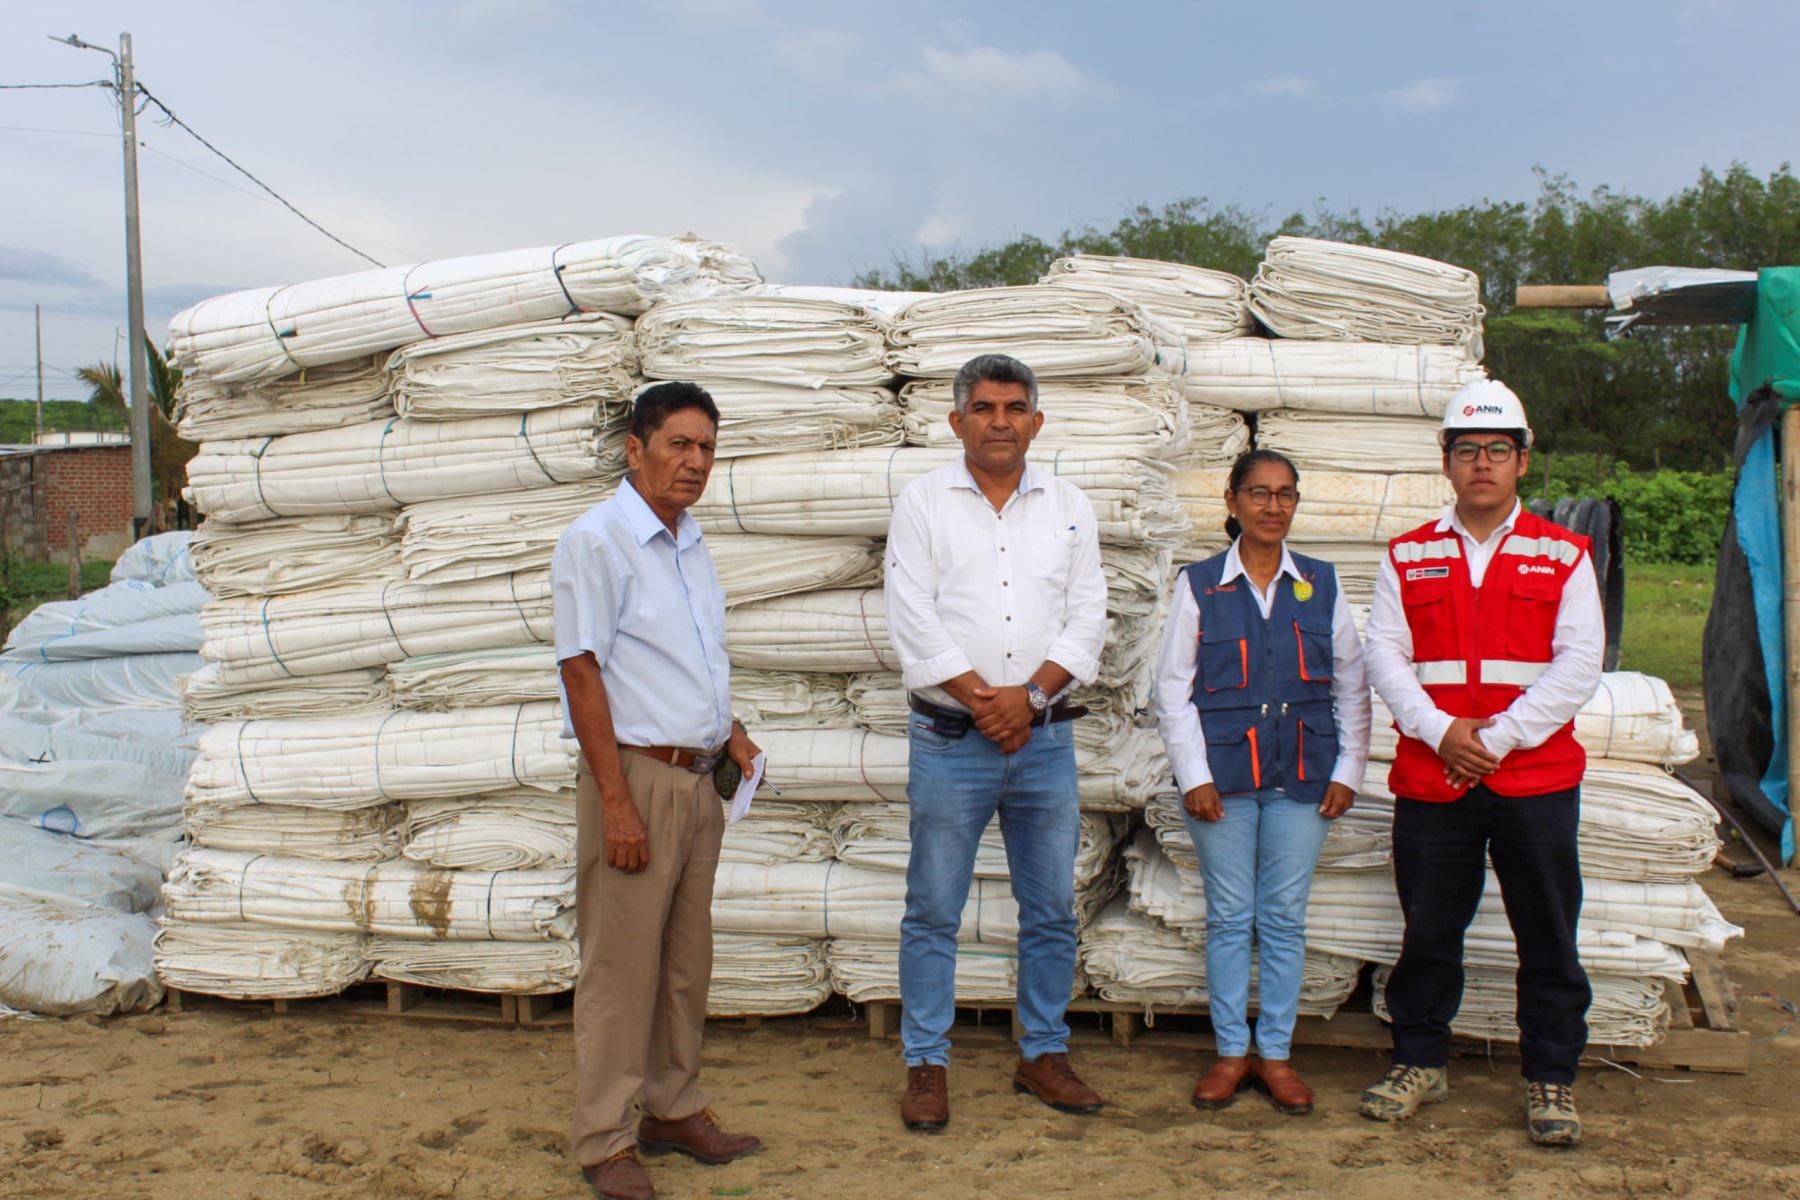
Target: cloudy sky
[{"x": 822, "y": 137}]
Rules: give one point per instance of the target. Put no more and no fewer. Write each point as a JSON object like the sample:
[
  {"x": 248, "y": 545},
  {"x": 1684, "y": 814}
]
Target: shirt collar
[
  {"x": 1234, "y": 566},
  {"x": 1451, "y": 523},
  {"x": 1030, "y": 481},
  {"x": 646, "y": 524}
]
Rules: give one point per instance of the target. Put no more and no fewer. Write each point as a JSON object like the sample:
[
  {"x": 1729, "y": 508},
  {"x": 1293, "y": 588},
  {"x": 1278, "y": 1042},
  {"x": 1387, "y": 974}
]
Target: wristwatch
[{"x": 1037, "y": 697}]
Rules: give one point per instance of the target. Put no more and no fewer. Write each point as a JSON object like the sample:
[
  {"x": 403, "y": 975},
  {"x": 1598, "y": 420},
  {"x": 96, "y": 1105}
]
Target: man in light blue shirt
[{"x": 640, "y": 639}]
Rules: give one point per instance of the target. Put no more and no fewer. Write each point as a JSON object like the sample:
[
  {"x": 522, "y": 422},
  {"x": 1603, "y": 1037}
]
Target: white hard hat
[{"x": 1483, "y": 405}]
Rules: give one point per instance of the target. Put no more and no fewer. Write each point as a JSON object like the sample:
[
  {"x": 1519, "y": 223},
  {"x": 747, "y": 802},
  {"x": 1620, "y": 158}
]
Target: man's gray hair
[{"x": 992, "y": 368}]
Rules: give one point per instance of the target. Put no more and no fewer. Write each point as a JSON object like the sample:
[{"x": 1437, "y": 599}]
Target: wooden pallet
[
  {"x": 1702, "y": 1037},
  {"x": 373, "y": 999}
]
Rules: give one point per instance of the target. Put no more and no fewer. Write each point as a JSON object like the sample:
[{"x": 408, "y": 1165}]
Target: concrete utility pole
[
  {"x": 38, "y": 312},
  {"x": 134, "y": 285}
]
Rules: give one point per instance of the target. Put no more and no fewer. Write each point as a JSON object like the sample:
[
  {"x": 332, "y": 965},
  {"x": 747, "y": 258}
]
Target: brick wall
[
  {"x": 94, "y": 481},
  {"x": 22, "y": 507}
]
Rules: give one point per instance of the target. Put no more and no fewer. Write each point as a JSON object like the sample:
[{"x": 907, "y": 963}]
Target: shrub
[{"x": 1668, "y": 516}]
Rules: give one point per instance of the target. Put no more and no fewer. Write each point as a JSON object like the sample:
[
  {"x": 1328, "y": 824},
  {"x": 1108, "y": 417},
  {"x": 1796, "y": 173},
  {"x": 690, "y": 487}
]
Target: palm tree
[
  {"x": 108, "y": 388},
  {"x": 169, "y": 453}
]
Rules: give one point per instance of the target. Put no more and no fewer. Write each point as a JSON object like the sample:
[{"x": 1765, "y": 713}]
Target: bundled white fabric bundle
[
  {"x": 472, "y": 678},
  {"x": 779, "y": 831},
  {"x": 754, "y": 566},
  {"x": 1057, "y": 331},
  {"x": 1632, "y": 718},
  {"x": 1360, "y": 840},
  {"x": 500, "y": 831},
  {"x": 265, "y": 333},
  {"x": 1197, "y": 303},
  {"x": 359, "y": 762},
  {"x": 257, "y": 962},
  {"x": 515, "y": 968},
  {"x": 1626, "y": 1011},
  {"x": 1322, "y": 441},
  {"x": 1134, "y": 959},
  {"x": 870, "y": 970},
  {"x": 116, "y": 620},
  {"x": 354, "y": 835},
  {"x": 67, "y": 959},
  {"x": 90, "y": 785},
  {"x": 341, "y": 629},
  {"x": 776, "y": 418},
  {"x": 206, "y": 698},
  {"x": 1145, "y": 415},
  {"x": 790, "y": 700},
  {"x": 1335, "y": 506},
  {"x": 381, "y": 465},
  {"x": 583, "y": 358},
  {"x": 766, "y": 976},
  {"x": 159, "y": 560},
  {"x": 143, "y": 681},
  {"x": 878, "y": 836},
  {"x": 346, "y": 393},
  {"x": 1253, "y": 374},
  {"x": 853, "y": 492},
  {"x": 474, "y": 537},
  {"x": 1334, "y": 291},
  {"x": 1217, "y": 437},
  {"x": 396, "y": 898},
  {"x": 747, "y": 336},
  {"x": 835, "y": 900},
  {"x": 295, "y": 554},
  {"x": 40, "y": 866}
]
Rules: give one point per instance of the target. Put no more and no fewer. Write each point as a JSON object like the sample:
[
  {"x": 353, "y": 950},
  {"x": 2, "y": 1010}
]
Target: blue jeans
[
  {"x": 1257, "y": 863},
  {"x": 954, "y": 786}
]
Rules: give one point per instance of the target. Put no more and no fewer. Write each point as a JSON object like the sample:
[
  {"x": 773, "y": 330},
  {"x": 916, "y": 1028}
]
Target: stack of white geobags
[{"x": 391, "y": 457}]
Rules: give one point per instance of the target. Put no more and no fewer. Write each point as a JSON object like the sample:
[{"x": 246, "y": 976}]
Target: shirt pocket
[{"x": 1052, "y": 558}]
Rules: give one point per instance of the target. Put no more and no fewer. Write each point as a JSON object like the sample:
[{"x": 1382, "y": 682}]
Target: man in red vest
[{"x": 1485, "y": 639}]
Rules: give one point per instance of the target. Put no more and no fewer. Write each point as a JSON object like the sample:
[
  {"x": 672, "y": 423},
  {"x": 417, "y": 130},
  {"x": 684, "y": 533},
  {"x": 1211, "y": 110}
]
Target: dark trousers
[{"x": 1440, "y": 856}]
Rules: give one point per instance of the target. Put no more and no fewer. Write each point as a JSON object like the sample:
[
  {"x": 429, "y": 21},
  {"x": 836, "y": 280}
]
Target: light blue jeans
[
  {"x": 1257, "y": 863},
  {"x": 954, "y": 787}
]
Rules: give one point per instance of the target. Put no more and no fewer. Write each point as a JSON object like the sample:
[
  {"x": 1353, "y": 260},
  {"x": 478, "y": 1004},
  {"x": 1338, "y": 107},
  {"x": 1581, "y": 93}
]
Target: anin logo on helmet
[{"x": 1486, "y": 410}]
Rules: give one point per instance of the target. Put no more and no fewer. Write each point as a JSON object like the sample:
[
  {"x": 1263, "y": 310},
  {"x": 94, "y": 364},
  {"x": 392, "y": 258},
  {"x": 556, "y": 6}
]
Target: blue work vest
[{"x": 1263, "y": 687}]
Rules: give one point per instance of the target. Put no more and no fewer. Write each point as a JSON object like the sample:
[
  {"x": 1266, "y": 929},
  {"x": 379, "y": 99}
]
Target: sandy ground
[{"x": 230, "y": 1101}]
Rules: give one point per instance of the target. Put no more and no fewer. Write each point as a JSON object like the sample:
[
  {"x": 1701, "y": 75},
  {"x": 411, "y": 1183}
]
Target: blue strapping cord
[
  {"x": 731, "y": 492},
  {"x": 269, "y": 637},
  {"x": 556, "y": 270},
  {"x": 380, "y": 790},
  {"x": 256, "y": 477},
  {"x": 512, "y": 587},
  {"x": 243, "y": 770},
  {"x": 512, "y": 755},
  {"x": 381, "y": 461},
  {"x": 398, "y": 644},
  {"x": 532, "y": 450}
]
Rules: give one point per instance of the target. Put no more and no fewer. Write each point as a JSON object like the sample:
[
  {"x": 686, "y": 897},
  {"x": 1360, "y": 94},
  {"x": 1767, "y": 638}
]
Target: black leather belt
[{"x": 954, "y": 722}]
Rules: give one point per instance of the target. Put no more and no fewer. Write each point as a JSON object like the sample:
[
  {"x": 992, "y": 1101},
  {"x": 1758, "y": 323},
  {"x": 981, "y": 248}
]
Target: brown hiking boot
[
  {"x": 1218, "y": 1088},
  {"x": 926, "y": 1105},
  {"x": 1051, "y": 1079},
  {"x": 1550, "y": 1114},
  {"x": 620, "y": 1177},
  {"x": 699, "y": 1137},
  {"x": 1277, "y": 1080}
]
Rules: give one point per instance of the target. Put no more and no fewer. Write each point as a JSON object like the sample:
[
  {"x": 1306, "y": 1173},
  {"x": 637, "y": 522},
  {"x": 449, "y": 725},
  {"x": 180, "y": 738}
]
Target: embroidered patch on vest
[
  {"x": 1413, "y": 573},
  {"x": 1303, "y": 590}
]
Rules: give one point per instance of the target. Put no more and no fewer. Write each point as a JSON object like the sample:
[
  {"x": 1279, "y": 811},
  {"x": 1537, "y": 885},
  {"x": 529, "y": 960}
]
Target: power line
[
  {"x": 175, "y": 120},
  {"x": 28, "y": 87},
  {"x": 69, "y": 132}
]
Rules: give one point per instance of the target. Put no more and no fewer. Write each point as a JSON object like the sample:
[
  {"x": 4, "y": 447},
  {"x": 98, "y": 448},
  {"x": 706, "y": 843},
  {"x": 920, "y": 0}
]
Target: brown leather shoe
[
  {"x": 699, "y": 1137},
  {"x": 1219, "y": 1087},
  {"x": 926, "y": 1105},
  {"x": 1051, "y": 1079},
  {"x": 1277, "y": 1080},
  {"x": 620, "y": 1177}
]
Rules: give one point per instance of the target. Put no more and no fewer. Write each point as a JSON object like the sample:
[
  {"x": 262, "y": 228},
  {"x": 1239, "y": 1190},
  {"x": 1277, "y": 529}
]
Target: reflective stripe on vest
[
  {"x": 1438, "y": 674},
  {"x": 1542, "y": 547},
  {"x": 1500, "y": 671},
  {"x": 1406, "y": 552}
]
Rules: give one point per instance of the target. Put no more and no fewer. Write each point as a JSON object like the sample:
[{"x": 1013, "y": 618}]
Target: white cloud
[
  {"x": 717, "y": 12},
  {"x": 822, "y": 53},
  {"x": 938, "y": 230},
  {"x": 1424, "y": 95},
  {"x": 1284, "y": 85},
  {"x": 984, "y": 72}
]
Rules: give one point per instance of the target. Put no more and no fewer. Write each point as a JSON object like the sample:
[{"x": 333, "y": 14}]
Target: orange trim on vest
[{"x": 1255, "y": 759}]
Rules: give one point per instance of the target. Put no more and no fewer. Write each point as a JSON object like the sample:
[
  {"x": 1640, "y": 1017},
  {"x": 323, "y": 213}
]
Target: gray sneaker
[
  {"x": 1403, "y": 1091},
  {"x": 1550, "y": 1114}
]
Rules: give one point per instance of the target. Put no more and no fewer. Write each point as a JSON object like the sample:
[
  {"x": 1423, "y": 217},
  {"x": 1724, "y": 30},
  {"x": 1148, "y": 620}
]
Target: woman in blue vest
[{"x": 1264, "y": 705}]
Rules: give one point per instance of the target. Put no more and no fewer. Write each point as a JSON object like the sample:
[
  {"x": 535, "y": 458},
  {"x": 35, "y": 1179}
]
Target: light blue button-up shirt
[{"x": 648, "y": 606}]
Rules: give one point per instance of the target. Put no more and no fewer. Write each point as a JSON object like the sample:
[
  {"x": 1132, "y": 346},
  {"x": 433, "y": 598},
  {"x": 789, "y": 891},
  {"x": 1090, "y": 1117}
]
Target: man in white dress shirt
[
  {"x": 1485, "y": 639},
  {"x": 996, "y": 603},
  {"x": 640, "y": 635}
]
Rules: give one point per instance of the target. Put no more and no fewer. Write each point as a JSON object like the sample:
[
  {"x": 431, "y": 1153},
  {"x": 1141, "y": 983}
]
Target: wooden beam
[{"x": 1562, "y": 295}]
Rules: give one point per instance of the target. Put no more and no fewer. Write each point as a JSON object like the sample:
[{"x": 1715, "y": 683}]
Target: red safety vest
[{"x": 1475, "y": 650}]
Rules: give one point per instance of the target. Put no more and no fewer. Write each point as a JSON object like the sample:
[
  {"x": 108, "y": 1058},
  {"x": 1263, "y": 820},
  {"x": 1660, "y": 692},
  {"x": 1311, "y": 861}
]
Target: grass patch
[
  {"x": 1665, "y": 614},
  {"x": 26, "y": 585}
]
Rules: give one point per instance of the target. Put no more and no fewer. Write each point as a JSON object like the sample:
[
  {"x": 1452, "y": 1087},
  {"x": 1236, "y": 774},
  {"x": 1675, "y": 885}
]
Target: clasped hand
[
  {"x": 1466, "y": 760},
  {"x": 1003, "y": 715}
]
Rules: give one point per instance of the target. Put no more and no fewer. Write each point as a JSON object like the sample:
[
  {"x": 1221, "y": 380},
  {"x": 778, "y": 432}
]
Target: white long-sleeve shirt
[
  {"x": 1183, "y": 731},
  {"x": 1577, "y": 648},
  {"x": 995, "y": 592}
]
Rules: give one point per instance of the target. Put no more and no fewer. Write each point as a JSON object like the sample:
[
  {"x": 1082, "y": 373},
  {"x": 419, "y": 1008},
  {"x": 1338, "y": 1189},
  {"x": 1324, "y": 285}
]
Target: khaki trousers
[{"x": 646, "y": 957}]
